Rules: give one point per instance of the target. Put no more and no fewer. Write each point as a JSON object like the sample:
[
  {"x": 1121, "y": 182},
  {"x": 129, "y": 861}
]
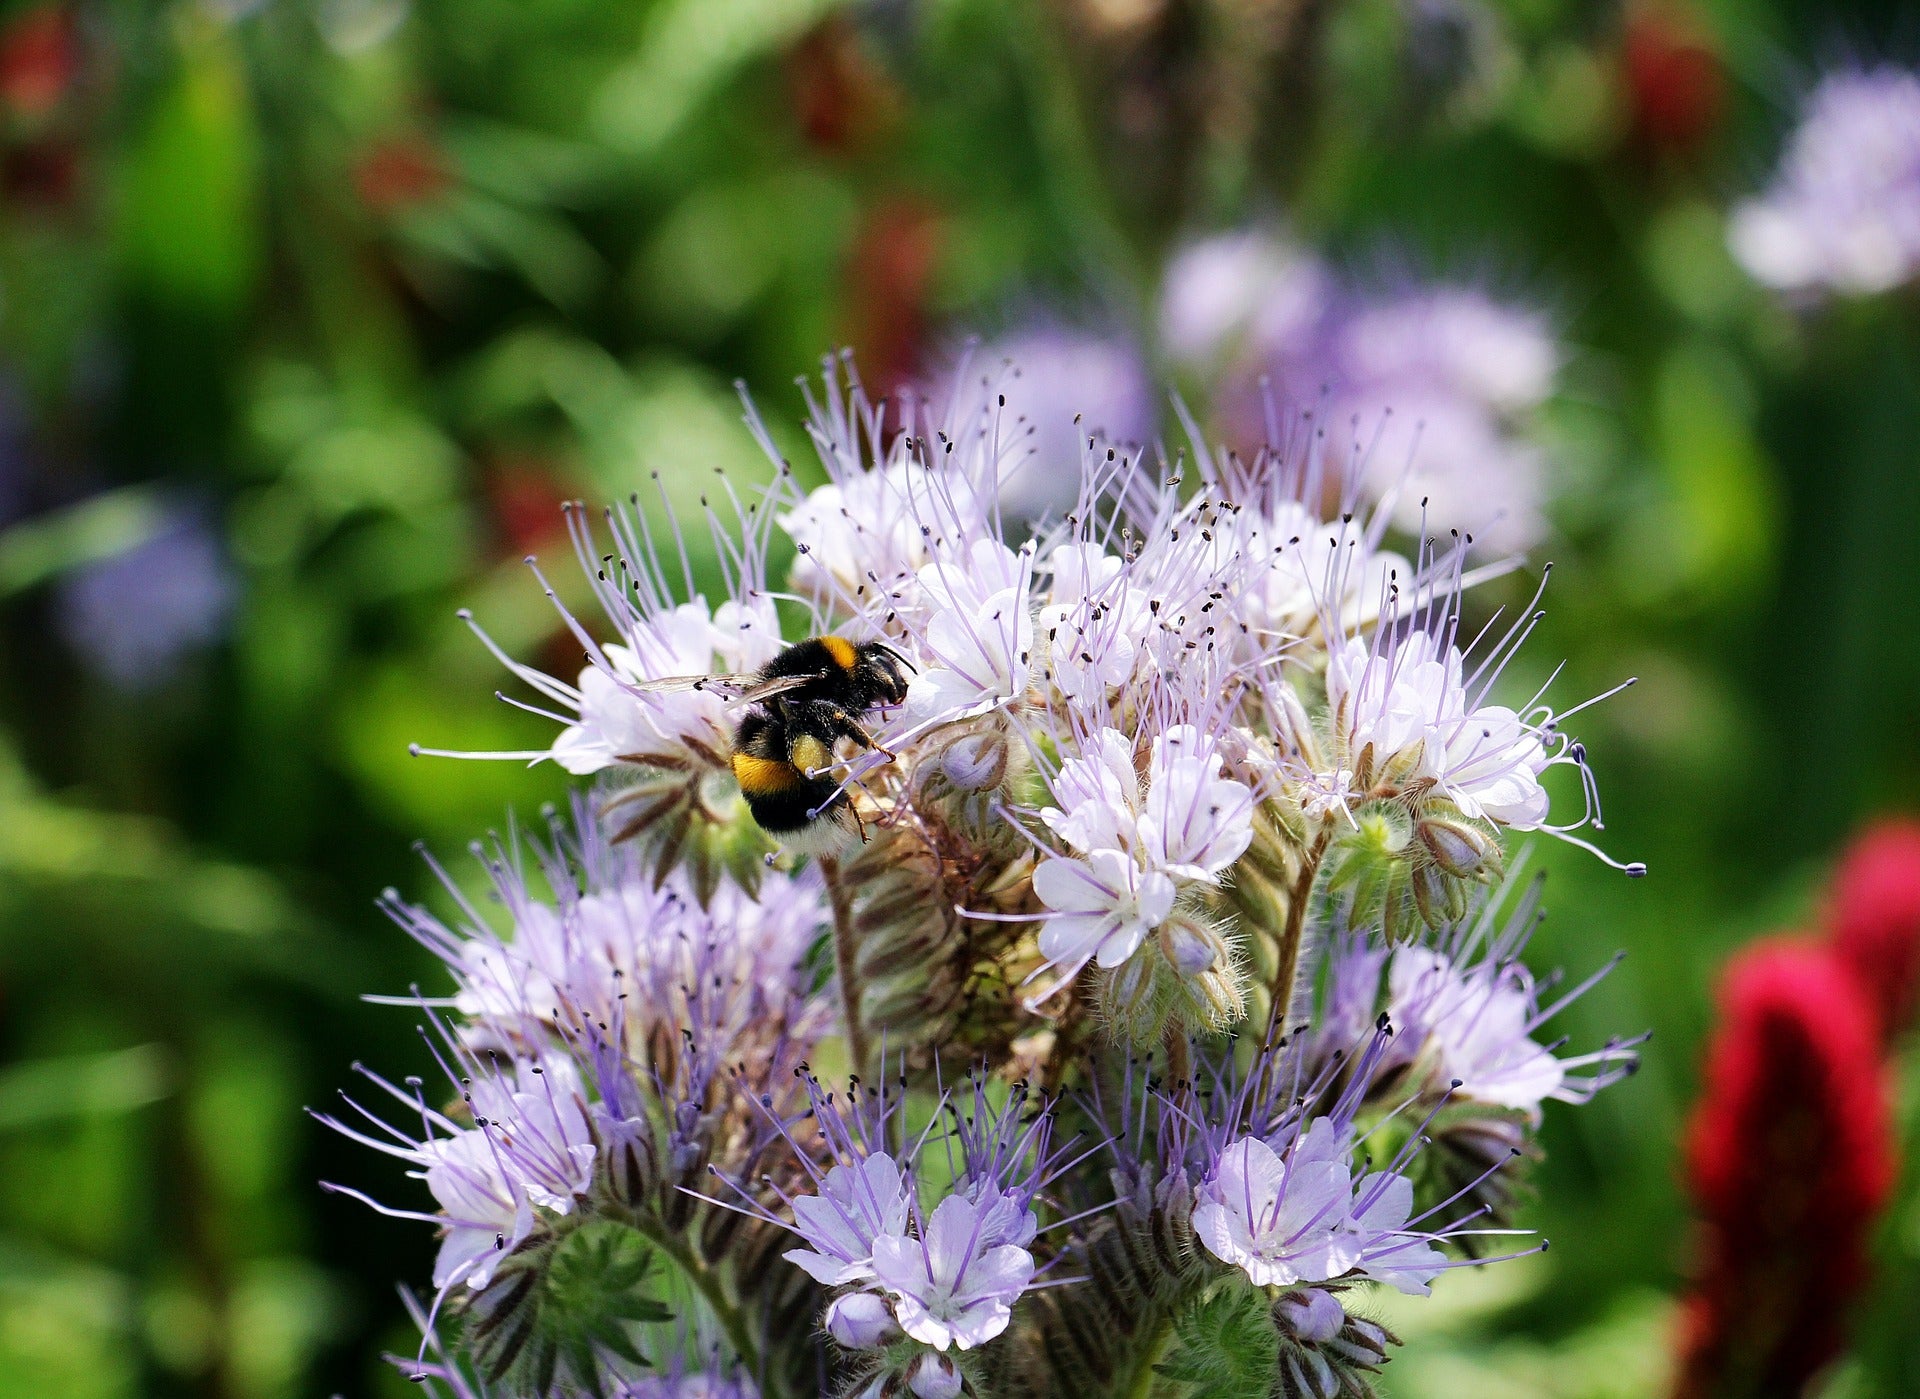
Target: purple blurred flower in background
[
  {"x": 1243, "y": 293},
  {"x": 1432, "y": 386},
  {"x": 1842, "y": 213},
  {"x": 133, "y": 617},
  {"x": 689, "y": 1384},
  {"x": 1065, "y": 384}
]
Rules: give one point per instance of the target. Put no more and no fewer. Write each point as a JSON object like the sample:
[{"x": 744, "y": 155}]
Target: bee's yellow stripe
[
  {"x": 758, "y": 776},
  {"x": 841, "y": 650}
]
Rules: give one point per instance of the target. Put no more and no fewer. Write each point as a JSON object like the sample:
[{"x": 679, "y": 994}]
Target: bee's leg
[{"x": 845, "y": 724}]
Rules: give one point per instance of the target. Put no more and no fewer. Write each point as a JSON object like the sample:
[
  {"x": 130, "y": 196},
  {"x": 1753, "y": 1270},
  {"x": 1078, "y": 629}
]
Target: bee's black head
[{"x": 882, "y": 671}]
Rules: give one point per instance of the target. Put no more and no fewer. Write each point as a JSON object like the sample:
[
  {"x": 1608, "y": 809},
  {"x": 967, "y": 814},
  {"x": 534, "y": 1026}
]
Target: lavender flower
[
  {"x": 606, "y": 1035},
  {"x": 1281, "y": 1201},
  {"x": 1281, "y": 1222},
  {"x": 1412, "y": 737},
  {"x": 857, "y": 1205},
  {"x": 978, "y": 633},
  {"x": 529, "y": 1149},
  {"x": 946, "y": 1274},
  {"x": 1466, "y": 1011},
  {"x": 953, "y": 1286},
  {"x": 1842, "y": 213},
  {"x": 1434, "y": 387},
  {"x": 1430, "y": 389},
  {"x": 134, "y": 616},
  {"x": 1135, "y": 849},
  {"x": 1062, "y": 387},
  {"x": 1233, "y": 293}
]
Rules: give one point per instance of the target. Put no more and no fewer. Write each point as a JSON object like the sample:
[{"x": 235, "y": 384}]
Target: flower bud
[
  {"x": 687, "y": 815},
  {"x": 1129, "y": 986},
  {"x": 959, "y": 784},
  {"x": 1313, "y": 1315},
  {"x": 933, "y": 1376},
  {"x": 1430, "y": 895},
  {"x": 629, "y": 1165},
  {"x": 1191, "y": 948},
  {"x": 1305, "y": 1374},
  {"x": 1382, "y": 828},
  {"x": 1461, "y": 849},
  {"x": 1217, "y": 997},
  {"x": 1363, "y": 1343},
  {"x": 861, "y": 1321},
  {"x": 975, "y": 762}
]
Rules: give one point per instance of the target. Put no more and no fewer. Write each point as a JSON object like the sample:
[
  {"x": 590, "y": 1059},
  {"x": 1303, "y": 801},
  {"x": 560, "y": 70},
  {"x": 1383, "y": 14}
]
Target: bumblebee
[{"x": 804, "y": 701}]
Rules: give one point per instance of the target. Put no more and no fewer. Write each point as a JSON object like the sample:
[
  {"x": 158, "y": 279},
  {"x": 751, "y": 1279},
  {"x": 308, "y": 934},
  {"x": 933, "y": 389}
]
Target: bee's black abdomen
[
  {"x": 782, "y": 796},
  {"x": 783, "y": 813}
]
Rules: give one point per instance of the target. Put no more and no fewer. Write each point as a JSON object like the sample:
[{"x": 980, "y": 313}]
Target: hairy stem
[
  {"x": 1287, "y": 972},
  {"x": 707, "y": 1283},
  {"x": 1137, "y": 1380},
  {"x": 1179, "y": 1054},
  {"x": 846, "y": 969}
]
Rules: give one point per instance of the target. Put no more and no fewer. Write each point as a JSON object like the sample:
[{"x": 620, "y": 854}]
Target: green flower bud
[{"x": 1459, "y": 847}]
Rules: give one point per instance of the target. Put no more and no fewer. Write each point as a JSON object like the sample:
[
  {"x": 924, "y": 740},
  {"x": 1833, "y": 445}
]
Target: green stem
[
  {"x": 845, "y": 963},
  {"x": 1138, "y": 1382},
  {"x": 707, "y": 1283},
  {"x": 1286, "y": 973}
]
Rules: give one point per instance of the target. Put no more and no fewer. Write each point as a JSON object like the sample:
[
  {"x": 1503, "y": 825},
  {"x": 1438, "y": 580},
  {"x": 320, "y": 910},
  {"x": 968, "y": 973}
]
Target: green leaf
[
  {"x": 562, "y": 1309},
  {"x": 189, "y": 195},
  {"x": 1226, "y": 1343}
]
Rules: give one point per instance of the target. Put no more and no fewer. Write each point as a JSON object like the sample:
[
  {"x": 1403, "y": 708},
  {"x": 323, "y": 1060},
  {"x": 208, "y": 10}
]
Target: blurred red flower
[
  {"x": 525, "y": 497},
  {"x": 38, "y": 59},
  {"x": 1874, "y": 920},
  {"x": 1790, "y": 1158},
  {"x": 842, "y": 98},
  {"x": 890, "y": 275},
  {"x": 399, "y": 172},
  {"x": 1676, "y": 90}
]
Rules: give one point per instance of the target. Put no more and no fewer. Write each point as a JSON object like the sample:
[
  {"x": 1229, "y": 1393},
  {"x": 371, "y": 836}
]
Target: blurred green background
[{"x": 312, "y": 310}]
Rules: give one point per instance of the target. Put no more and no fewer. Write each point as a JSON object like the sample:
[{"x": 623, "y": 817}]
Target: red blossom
[
  {"x": 1790, "y": 1158},
  {"x": 526, "y": 497},
  {"x": 1676, "y": 91},
  {"x": 891, "y": 272},
  {"x": 38, "y": 59},
  {"x": 1874, "y": 919},
  {"x": 45, "y": 174},
  {"x": 398, "y": 173},
  {"x": 842, "y": 99}
]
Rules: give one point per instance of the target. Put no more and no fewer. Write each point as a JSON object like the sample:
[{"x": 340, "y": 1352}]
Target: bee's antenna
[{"x": 882, "y": 646}]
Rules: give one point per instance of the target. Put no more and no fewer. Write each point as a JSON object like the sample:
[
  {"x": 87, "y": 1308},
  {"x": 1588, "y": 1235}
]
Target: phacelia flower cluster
[{"x": 1138, "y": 859}]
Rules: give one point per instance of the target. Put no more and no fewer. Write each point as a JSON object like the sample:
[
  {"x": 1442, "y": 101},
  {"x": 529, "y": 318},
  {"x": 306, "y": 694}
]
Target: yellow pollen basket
[{"x": 809, "y": 754}]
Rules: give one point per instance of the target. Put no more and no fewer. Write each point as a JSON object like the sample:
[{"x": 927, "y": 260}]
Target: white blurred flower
[{"x": 1842, "y": 213}]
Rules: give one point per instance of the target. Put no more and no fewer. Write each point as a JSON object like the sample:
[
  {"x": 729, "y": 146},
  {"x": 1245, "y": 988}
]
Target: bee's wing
[
  {"x": 747, "y": 687},
  {"x": 767, "y": 689}
]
